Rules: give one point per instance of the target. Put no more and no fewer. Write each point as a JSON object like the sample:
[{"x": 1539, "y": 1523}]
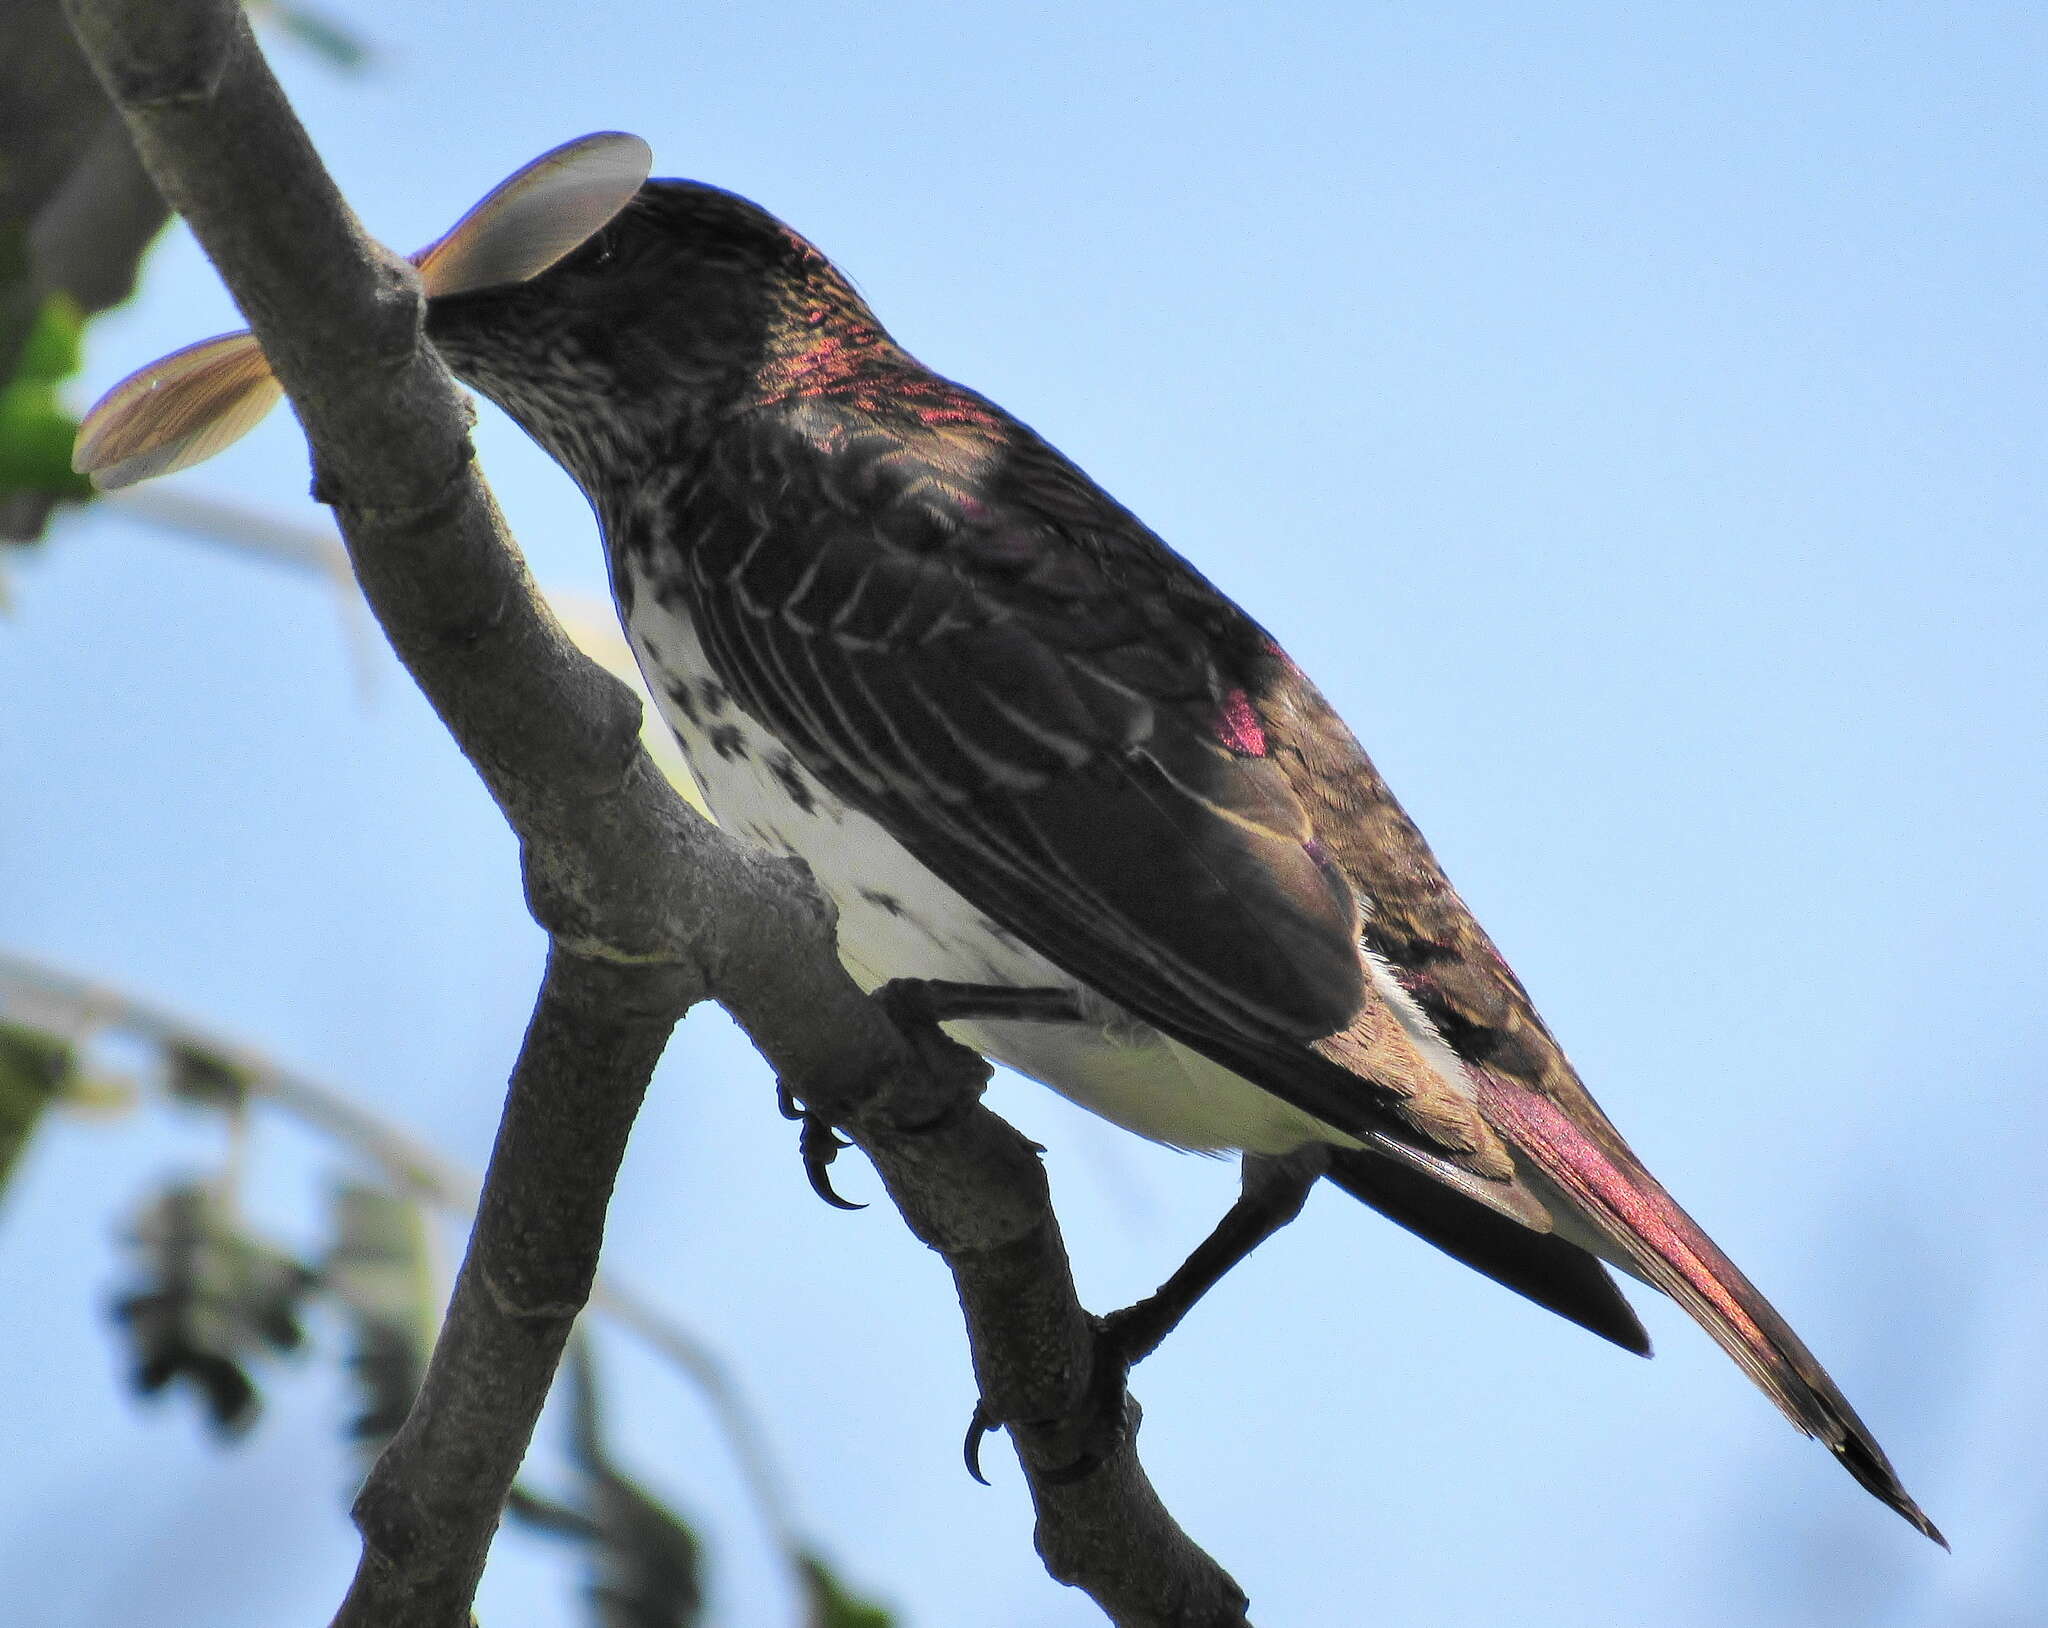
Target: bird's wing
[{"x": 962, "y": 636}]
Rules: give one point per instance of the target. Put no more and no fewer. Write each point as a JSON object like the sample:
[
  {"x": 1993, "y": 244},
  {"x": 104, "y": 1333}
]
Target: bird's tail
[{"x": 1652, "y": 1237}]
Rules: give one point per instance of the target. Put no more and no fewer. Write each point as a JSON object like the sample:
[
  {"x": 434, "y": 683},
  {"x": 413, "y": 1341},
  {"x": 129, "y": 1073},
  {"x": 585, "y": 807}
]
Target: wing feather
[{"x": 1035, "y": 697}]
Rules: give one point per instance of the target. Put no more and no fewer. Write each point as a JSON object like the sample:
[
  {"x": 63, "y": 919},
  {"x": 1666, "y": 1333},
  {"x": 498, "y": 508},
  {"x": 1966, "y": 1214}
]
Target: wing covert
[{"x": 969, "y": 641}]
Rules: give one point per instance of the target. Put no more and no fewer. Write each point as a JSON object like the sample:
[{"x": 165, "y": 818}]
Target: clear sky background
[{"x": 1632, "y": 416}]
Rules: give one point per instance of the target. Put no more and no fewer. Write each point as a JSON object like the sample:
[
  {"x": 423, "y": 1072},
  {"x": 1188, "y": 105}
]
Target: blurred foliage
[
  {"x": 829, "y": 1603},
  {"x": 645, "y": 1563},
  {"x": 334, "y": 43},
  {"x": 210, "y": 1302},
  {"x": 197, "y": 1074},
  {"x": 211, "y": 1297},
  {"x": 92, "y": 255},
  {"x": 35, "y": 432},
  {"x": 35, "y": 1069},
  {"x": 380, "y": 1273}
]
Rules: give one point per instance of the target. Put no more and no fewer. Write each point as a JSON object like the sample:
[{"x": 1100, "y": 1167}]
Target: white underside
[{"x": 1115, "y": 1066}]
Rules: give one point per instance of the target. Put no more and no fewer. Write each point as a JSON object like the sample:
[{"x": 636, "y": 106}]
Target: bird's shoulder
[{"x": 946, "y": 513}]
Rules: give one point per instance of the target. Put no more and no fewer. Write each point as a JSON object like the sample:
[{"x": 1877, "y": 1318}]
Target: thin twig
[{"x": 47, "y": 997}]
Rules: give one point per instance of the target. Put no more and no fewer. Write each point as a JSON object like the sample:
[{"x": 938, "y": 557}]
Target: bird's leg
[
  {"x": 918, "y": 1006},
  {"x": 1272, "y": 1191},
  {"x": 1271, "y": 1194},
  {"x": 933, "y": 1000},
  {"x": 1273, "y": 1188}
]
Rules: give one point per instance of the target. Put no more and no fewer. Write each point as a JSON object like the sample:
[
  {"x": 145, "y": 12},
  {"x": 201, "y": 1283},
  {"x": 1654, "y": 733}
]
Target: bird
[{"x": 1058, "y": 786}]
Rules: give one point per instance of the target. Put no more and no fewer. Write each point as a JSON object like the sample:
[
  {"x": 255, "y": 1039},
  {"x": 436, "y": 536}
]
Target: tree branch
[
  {"x": 431, "y": 1504},
  {"x": 649, "y": 907}
]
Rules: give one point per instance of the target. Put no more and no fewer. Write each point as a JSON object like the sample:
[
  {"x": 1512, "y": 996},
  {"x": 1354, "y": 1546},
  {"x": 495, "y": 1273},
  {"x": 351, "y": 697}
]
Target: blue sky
[{"x": 1631, "y": 415}]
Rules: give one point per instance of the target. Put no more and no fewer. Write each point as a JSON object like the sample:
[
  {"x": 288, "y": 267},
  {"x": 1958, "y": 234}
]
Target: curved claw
[
  {"x": 978, "y": 1429},
  {"x": 1104, "y": 1420},
  {"x": 819, "y": 1145},
  {"x": 821, "y": 1184}
]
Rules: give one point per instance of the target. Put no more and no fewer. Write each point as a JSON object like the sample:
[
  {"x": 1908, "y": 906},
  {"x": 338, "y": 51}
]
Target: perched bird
[{"x": 1040, "y": 765}]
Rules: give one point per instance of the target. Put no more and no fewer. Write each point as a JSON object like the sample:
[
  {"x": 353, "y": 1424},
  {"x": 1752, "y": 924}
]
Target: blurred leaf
[
  {"x": 196, "y": 1074},
  {"x": 35, "y": 431},
  {"x": 35, "y": 1069},
  {"x": 646, "y": 1564},
  {"x": 53, "y": 352},
  {"x": 101, "y": 1093},
  {"x": 35, "y": 445},
  {"x": 318, "y": 32},
  {"x": 545, "y": 1515},
  {"x": 210, "y": 1296},
  {"x": 380, "y": 1269},
  {"x": 830, "y": 1605}
]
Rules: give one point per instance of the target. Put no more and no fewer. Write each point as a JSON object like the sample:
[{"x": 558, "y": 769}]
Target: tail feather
[
  {"x": 1542, "y": 1266},
  {"x": 1657, "y": 1239}
]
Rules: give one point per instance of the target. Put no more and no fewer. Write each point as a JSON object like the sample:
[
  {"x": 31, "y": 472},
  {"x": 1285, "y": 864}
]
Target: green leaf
[
  {"x": 35, "y": 444},
  {"x": 196, "y": 1074},
  {"x": 380, "y": 1269},
  {"x": 210, "y": 1296},
  {"x": 35, "y": 431},
  {"x": 53, "y": 350},
  {"x": 35, "y": 1069},
  {"x": 830, "y": 1604}
]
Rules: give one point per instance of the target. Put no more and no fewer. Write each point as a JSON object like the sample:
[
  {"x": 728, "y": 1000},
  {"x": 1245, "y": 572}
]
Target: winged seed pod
[{"x": 183, "y": 408}]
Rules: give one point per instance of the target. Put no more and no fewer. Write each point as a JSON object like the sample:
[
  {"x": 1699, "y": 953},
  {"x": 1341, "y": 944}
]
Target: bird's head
[
  {"x": 689, "y": 302},
  {"x": 605, "y": 312}
]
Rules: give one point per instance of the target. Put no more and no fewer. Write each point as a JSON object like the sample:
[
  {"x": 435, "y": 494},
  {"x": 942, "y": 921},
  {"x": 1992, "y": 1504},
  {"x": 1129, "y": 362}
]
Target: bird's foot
[
  {"x": 819, "y": 1144},
  {"x": 1075, "y": 1445},
  {"x": 917, "y": 1006}
]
